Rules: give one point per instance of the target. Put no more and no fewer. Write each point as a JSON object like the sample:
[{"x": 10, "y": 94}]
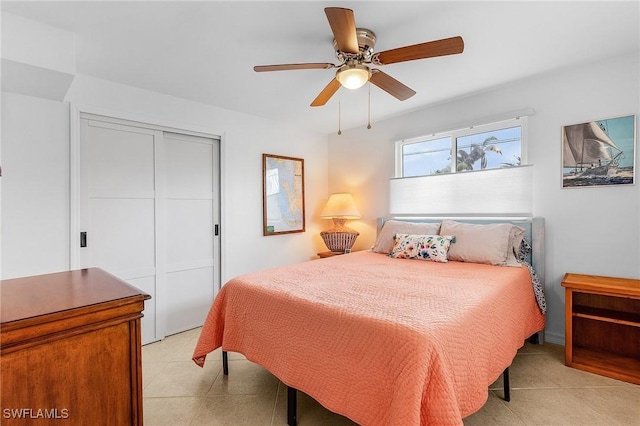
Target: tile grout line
[{"x": 275, "y": 404}]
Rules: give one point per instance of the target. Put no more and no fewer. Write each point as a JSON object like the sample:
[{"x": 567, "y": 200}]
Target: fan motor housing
[{"x": 366, "y": 43}]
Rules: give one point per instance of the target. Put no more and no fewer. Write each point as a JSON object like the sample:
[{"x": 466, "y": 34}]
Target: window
[{"x": 489, "y": 146}]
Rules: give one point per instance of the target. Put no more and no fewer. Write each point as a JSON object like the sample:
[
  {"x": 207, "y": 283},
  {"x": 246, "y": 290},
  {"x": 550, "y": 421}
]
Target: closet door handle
[{"x": 83, "y": 239}]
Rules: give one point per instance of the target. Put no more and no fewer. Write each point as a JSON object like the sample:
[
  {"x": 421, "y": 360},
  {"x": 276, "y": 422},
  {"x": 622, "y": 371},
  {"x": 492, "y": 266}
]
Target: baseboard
[{"x": 555, "y": 338}]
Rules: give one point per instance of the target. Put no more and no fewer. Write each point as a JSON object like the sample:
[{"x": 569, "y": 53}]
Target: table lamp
[{"x": 340, "y": 207}]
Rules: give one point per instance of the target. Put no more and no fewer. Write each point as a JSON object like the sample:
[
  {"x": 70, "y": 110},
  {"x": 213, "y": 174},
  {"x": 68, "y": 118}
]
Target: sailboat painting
[{"x": 600, "y": 152}]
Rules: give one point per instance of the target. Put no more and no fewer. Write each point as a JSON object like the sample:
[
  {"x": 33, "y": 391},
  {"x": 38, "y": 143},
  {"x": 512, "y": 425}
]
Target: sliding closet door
[
  {"x": 190, "y": 220},
  {"x": 149, "y": 208},
  {"x": 118, "y": 207}
]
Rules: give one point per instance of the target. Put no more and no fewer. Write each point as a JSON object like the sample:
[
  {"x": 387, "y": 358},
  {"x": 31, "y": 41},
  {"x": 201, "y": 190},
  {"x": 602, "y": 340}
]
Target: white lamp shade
[{"x": 340, "y": 205}]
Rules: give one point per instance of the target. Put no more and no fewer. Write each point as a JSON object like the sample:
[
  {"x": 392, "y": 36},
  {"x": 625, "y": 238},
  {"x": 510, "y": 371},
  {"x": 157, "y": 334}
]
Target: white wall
[
  {"x": 35, "y": 163},
  {"x": 37, "y": 59},
  {"x": 588, "y": 230},
  {"x": 35, "y": 186}
]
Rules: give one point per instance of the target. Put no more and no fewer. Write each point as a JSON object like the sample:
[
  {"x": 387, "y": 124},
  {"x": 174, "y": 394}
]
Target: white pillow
[
  {"x": 386, "y": 239},
  {"x": 477, "y": 243}
]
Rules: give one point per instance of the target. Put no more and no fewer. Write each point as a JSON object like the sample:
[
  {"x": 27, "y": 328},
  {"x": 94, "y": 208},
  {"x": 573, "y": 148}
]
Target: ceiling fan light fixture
[{"x": 353, "y": 76}]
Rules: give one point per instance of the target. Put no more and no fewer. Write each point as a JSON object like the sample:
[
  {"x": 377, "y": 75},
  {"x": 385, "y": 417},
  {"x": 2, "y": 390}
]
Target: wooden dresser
[
  {"x": 70, "y": 350},
  {"x": 602, "y": 325}
]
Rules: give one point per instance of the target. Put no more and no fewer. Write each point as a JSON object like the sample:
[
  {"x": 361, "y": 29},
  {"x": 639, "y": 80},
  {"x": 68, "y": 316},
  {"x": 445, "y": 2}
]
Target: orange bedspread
[{"x": 382, "y": 341}]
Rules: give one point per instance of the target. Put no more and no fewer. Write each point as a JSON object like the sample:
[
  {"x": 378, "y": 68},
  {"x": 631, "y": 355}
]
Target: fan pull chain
[
  {"x": 339, "y": 116},
  {"x": 369, "y": 113}
]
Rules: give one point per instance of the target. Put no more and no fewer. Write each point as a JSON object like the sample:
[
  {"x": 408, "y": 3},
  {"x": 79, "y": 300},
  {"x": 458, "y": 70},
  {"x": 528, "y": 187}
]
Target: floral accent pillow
[{"x": 422, "y": 247}]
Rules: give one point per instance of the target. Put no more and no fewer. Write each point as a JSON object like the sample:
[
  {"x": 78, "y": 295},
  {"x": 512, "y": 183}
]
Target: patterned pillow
[
  {"x": 422, "y": 247},
  {"x": 516, "y": 236},
  {"x": 525, "y": 250}
]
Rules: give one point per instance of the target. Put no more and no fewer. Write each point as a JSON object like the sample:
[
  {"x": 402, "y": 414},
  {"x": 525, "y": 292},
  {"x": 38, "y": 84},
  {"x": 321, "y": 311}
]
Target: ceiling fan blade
[
  {"x": 391, "y": 85},
  {"x": 343, "y": 25},
  {"x": 326, "y": 93},
  {"x": 430, "y": 49},
  {"x": 286, "y": 67}
]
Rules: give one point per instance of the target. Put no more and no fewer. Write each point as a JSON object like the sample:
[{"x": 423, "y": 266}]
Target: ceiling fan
[{"x": 354, "y": 49}]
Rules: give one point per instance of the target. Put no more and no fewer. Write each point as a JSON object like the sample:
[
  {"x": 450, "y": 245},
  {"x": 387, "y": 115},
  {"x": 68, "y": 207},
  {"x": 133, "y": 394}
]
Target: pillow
[
  {"x": 479, "y": 243},
  {"x": 385, "y": 240},
  {"x": 516, "y": 236},
  {"x": 422, "y": 247},
  {"x": 524, "y": 250}
]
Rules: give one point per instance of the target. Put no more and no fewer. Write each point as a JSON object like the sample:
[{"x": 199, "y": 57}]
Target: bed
[{"x": 397, "y": 335}]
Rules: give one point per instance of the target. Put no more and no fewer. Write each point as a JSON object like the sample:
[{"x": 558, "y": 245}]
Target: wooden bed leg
[
  {"x": 225, "y": 363},
  {"x": 292, "y": 406},
  {"x": 507, "y": 389}
]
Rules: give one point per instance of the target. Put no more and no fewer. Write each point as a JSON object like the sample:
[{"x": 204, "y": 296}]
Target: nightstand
[
  {"x": 602, "y": 325},
  {"x": 324, "y": 254}
]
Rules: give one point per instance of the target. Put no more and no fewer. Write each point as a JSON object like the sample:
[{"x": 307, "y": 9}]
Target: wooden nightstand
[
  {"x": 602, "y": 325},
  {"x": 324, "y": 254}
]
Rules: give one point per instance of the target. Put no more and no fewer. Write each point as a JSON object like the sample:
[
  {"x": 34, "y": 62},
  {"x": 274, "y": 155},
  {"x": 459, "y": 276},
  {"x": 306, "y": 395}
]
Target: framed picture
[
  {"x": 599, "y": 152},
  {"x": 283, "y": 194}
]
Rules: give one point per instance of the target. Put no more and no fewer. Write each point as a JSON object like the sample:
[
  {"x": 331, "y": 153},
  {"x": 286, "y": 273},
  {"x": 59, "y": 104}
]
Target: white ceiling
[{"x": 205, "y": 51}]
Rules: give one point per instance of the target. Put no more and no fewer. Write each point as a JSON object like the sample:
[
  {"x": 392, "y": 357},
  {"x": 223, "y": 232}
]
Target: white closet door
[
  {"x": 118, "y": 207},
  {"x": 149, "y": 205},
  {"x": 189, "y": 221}
]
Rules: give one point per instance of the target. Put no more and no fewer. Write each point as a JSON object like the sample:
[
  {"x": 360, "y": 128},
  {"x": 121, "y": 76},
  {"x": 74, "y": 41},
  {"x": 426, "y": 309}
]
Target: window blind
[{"x": 504, "y": 191}]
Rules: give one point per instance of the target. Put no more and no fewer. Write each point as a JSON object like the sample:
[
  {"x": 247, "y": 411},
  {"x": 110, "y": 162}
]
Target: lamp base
[{"x": 339, "y": 238}]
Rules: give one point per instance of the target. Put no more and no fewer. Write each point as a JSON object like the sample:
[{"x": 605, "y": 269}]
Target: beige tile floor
[{"x": 543, "y": 392}]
